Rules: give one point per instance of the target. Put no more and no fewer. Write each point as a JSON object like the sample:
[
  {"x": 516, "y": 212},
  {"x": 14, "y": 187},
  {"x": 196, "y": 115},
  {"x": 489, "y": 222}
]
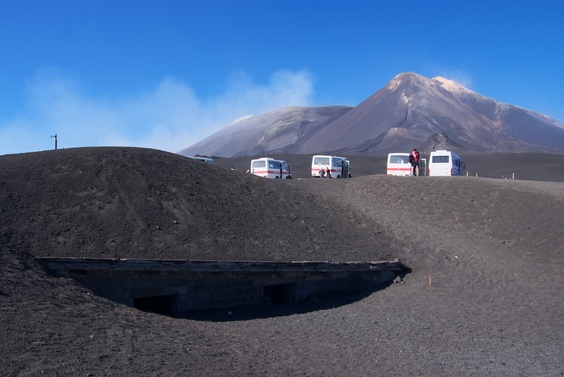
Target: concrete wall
[{"x": 176, "y": 287}]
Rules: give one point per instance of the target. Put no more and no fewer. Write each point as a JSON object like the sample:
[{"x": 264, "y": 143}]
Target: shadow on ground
[{"x": 315, "y": 302}]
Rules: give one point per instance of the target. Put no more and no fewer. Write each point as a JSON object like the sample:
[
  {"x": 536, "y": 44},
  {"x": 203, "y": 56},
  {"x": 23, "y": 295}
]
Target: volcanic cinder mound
[
  {"x": 147, "y": 204},
  {"x": 484, "y": 297}
]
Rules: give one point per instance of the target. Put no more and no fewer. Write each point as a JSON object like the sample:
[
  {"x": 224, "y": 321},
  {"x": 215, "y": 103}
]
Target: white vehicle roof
[
  {"x": 443, "y": 151},
  {"x": 266, "y": 158},
  {"x": 328, "y": 155}
]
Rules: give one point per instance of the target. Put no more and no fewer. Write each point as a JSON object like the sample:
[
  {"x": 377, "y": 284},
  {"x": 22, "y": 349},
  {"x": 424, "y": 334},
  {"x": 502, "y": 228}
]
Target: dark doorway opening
[
  {"x": 280, "y": 294},
  {"x": 165, "y": 305}
]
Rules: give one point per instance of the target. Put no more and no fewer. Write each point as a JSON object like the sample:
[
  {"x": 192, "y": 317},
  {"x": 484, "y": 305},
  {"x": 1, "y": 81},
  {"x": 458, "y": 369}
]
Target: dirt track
[{"x": 493, "y": 249}]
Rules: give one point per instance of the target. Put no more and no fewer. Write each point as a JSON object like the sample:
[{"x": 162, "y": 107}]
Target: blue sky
[{"x": 165, "y": 74}]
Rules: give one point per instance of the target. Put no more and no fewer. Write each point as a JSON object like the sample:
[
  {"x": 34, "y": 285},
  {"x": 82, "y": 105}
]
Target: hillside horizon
[{"x": 409, "y": 111}]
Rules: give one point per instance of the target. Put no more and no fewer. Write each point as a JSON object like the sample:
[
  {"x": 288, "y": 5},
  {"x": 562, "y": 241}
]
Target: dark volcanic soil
[
  {"x": 139, "y": 203},
  {"x": 493, "y": 250}
]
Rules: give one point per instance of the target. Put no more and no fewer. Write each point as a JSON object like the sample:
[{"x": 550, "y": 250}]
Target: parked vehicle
[
  {"x": 445, "y": 163},
  {"x": 338, "y": 167},
  {"x": 398, "y": 164},
  {"x": 207, "y": 160},
  {"x": 270, "y": 168}
]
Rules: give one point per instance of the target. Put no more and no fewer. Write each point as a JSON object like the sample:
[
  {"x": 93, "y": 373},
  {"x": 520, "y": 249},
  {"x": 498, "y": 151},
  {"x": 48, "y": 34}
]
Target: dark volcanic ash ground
[{"x": 493, "y": 248}]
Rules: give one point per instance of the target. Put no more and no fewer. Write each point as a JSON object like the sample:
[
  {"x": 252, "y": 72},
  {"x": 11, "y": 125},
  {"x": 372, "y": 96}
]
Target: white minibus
[
  {"x": 445, "y": 163},
  {"x": 339, "y": 167},
  {"x": 270, "y": 168},
  {"x": 398, "y": 164}
]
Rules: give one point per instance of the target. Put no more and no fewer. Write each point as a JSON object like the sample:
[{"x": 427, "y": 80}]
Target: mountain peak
[
  {"x": 411, "y": 110},
  {"x": 405, "y": 78}
]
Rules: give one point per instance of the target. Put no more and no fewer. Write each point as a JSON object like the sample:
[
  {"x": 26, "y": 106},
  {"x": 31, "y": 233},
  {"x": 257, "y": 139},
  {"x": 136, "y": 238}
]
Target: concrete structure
[{"x": 176, "y": 286}]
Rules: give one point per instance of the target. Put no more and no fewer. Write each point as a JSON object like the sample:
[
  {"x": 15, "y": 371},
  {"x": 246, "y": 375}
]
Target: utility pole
[{"x": 55, "y": 137}]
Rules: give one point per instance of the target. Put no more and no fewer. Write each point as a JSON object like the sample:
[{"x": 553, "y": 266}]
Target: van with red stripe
[
  {"x": 338, "y": 167},
  {"x": 398, "y": 164},
  {"x": 270, "y": 168}
]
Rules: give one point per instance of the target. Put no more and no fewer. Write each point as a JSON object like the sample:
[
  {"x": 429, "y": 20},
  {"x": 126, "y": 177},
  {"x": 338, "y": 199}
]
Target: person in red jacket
[{"x": 414, "y": 159}]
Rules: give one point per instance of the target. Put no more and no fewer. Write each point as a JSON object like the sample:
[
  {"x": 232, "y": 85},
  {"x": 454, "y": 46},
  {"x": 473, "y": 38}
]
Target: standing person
[
  {"x": 328, "y": 173},
  {"x": 414, "y": 159}
]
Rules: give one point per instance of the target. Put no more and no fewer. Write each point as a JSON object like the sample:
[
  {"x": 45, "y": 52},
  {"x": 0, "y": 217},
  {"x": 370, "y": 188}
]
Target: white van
[
  {"x": 398, "y": 164},
  {"x": 445, "y": 163},
  {"x": 339, "y": 167},
  {"x": 270, "y": 168}
]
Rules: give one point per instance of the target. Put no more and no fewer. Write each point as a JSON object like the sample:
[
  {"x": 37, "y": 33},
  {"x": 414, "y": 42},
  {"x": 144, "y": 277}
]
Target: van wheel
[{"x": 277, "y": 177}]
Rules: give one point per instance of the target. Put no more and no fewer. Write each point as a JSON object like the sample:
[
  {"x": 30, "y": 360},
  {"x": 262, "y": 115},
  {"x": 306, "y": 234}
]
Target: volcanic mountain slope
[
  {"x": 410, "y": 111},
  {"x": 276, "y": 131}
]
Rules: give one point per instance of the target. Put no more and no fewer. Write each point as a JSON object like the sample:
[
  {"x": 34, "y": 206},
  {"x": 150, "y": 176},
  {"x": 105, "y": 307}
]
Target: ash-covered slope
[
  {"x": 277, "y": 131},
  {"x": 149, "y": 204},
  {"x": 414, "y": 111},
  {"x": 410, "y": 111}
]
